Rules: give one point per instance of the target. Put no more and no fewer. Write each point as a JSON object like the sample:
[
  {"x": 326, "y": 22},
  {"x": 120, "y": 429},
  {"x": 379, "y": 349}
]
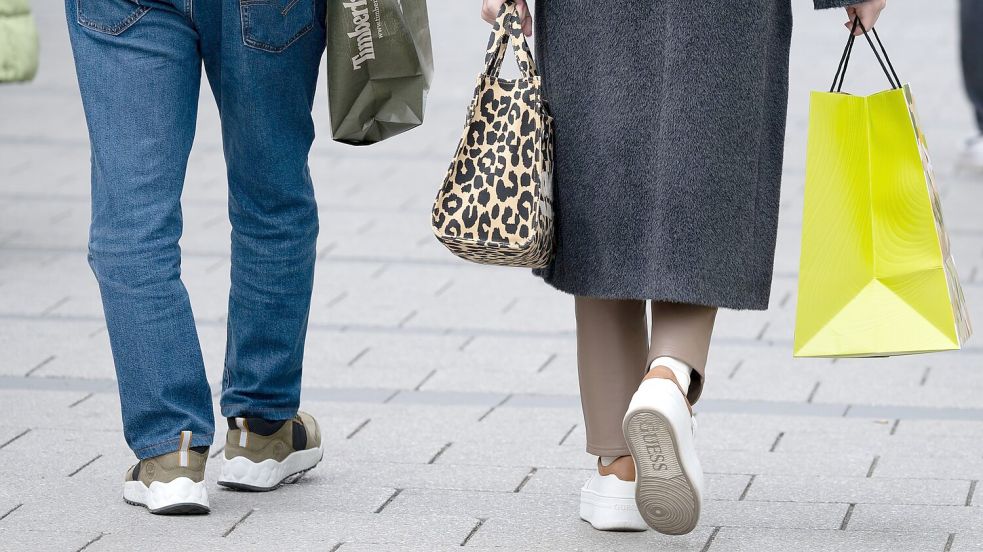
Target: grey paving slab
[
  {"x": 570, "y": 533},
  {"x": 772, "y": 515},
  {"x": 781, "y": 463},
  {"x": 886, "y": 517},
  {"x": 16, "y": 540},
  {"x": 859, "y": 490},
  {"x": 731, "y": 539}
]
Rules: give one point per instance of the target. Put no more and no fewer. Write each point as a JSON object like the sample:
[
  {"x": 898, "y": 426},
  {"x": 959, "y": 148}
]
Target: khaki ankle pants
[{"x": 614, "y": 348}]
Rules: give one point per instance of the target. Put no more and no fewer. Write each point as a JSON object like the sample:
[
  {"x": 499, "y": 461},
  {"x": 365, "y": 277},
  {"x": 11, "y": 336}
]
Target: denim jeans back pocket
[
  {"x": 111, "y": 17},
  {"x": 273, "y": 25}
]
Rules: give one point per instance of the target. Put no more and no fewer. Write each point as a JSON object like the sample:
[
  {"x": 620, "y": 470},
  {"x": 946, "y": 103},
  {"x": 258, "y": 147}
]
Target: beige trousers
[{"x": 614, "y": 348}]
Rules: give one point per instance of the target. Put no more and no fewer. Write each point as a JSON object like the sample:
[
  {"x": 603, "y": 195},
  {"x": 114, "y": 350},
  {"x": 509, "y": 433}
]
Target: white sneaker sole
[
  {"x": 658, "y": 429},
  {"x": 607, "y": 513},
  {"x": 181, "y": 496},
  {"x": 242, "y": 474}
]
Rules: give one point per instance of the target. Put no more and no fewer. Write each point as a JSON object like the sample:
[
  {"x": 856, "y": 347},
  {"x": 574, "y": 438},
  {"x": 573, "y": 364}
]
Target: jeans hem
[
  {"x": 244, "y": 411},
  {"x": 171, "y": 445}
]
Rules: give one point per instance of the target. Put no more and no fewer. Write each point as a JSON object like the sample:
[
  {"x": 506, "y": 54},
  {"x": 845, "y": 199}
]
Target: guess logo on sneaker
[{"x": 653, "y": 448}]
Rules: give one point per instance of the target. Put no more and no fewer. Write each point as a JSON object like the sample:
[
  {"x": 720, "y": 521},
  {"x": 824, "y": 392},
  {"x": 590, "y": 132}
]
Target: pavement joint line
[
  {"x": 709, "y": 543},
  {"x": 39, "y": 366},
  {"x": 391, "y": 397},
  {"x": 894, "y": 428},
  {"x": 217, "y": 452},
  {"x": 10, "y": 511},
  {"x": 525, "y": 479},
  {"x": 425, "y": 379},
  {"x": 57, "y": 304},
  {"x": 237, "y": 523},
  {"x": 925, "y": 376},
  {"x": 467, "y": 342},
  {"x": 388, "y": 501},
  {"x": 784, "y": 301},
  {"x": 360, "y": 427},
  {"x": 873, "y": 466},
  {"x": 764, "y": 329},
  {"x": 360, "y": 354},
  {"x": 336, "y": 299},
  {"x": 82, "y": 400},
  {"x": 83, "y": 466},
  {"x": 327, "y": 249},
  {"x": 337, "y": 546},
  {"x": 379, "y": 271},
  {"x": 846, "y": 518},
  {"x": 777, "y": 440},
  {"x": 15, "y": 437},
  {"x": 737, "y": 367},
  {"x": 446, "y": 286},
  {"x": 523, "y": 400},
  {"x": 546, "y": 364},
  {"x": 812, "y": 394},
  {"x": 510, "y": 305},
  {"x": 91, "y": 542},
  {"x": 949, "y": 542},
  {"x": 442, "y": 450},
  {"x": 972, "y": 491},
  {"x": 426, "y": 330},
  {"x": 481, "y": 521},
  {"x": 747, "y": 488},
  {"x": 492, "y": 409},
  {"x": 567, "y": 434},
  {"x": 407, "y": 318}
]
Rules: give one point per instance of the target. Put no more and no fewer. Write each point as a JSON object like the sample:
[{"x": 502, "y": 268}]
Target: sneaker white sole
[
  {"x": 242, "y": 474},
  {"x": 607, "y": 513},
  {"x": 658, "y": 428},
  {"x": 181, "y": 496}
]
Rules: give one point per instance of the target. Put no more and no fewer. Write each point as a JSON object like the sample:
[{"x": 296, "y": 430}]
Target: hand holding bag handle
[
  {"x": 892, "y": 75},
  {"x": 508, "y": 29}
]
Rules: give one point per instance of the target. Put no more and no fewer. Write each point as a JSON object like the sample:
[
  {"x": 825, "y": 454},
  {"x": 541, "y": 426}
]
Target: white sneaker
[
  {"x": 972, "y": 154},
  {"x": 608, "y": 504},
  {"x": 659, "y": 431}
]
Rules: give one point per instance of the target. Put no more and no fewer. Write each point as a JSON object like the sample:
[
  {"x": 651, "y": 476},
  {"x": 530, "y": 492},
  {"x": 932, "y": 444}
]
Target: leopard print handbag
[{"x": 496, "y": 204}]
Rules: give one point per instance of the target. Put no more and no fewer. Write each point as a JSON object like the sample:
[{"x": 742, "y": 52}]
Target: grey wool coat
[{"x": 670, "y": 123}]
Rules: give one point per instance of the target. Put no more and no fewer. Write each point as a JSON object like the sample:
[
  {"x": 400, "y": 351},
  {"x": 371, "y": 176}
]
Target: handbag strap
[
  {"x": 508, "y": 29},
  {"x": 892, "y": 75}
]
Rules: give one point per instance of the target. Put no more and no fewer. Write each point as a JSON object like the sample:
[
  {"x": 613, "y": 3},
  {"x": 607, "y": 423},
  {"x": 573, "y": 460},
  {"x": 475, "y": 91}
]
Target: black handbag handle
[{"x": 888, "y": 68}]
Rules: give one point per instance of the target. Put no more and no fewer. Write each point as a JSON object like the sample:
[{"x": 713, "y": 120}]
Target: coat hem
[{"x": 689, "y": 297}]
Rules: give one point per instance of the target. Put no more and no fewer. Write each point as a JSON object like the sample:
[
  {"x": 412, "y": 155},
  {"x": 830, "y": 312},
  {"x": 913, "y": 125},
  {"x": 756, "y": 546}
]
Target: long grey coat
[{"x": 670, "y": 124}]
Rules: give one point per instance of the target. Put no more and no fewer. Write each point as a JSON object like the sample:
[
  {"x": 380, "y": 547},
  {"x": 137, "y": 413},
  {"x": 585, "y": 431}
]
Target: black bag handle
[{"x": 892, "y": 75}]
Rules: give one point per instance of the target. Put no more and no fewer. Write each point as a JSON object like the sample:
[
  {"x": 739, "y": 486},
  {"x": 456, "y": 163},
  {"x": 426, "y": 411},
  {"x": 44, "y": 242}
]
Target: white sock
[
  {"x": 679, "y": 369},
  {"x": 608, "y": 460}
]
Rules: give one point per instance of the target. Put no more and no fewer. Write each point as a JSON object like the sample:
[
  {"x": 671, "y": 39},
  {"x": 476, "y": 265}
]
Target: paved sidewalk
[{"x": 451, "y": 416}]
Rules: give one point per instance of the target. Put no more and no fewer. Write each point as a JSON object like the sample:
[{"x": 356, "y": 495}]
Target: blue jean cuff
[
  {"x": 172, "y": 444},
  {"x": 244, "y": 411}
]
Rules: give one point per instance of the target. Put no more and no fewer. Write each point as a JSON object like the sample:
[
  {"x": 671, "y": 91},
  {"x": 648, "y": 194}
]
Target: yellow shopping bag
[{"x": 876, "y": 276}]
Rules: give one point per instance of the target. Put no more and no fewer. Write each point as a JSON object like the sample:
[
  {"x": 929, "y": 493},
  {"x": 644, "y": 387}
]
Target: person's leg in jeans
[
  {"x": 138, "y": 72},
  {"x": 971, "y": 23},
  {"x": 262, "y": 61}
]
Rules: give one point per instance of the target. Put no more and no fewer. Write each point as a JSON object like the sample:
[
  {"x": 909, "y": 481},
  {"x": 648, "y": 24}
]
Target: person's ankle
[
  {"x": 680, "y": 371},
  {"x": 622, "y": 467}
]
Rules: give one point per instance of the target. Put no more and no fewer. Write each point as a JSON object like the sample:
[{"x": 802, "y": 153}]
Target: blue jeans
[
  {"x": 971, "y": 22},
  {"x": 139, "y": 70}
]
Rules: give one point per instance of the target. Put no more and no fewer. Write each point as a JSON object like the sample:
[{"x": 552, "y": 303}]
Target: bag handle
[
  {"x": 892, "y": 75},
  {"x": 508, "y": 29}
]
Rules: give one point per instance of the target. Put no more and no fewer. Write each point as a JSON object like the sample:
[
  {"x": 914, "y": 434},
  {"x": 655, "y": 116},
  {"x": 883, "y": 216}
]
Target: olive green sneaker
[
  {"x": 171, "y": 483},
  {"x": 261, "y": 455}
]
